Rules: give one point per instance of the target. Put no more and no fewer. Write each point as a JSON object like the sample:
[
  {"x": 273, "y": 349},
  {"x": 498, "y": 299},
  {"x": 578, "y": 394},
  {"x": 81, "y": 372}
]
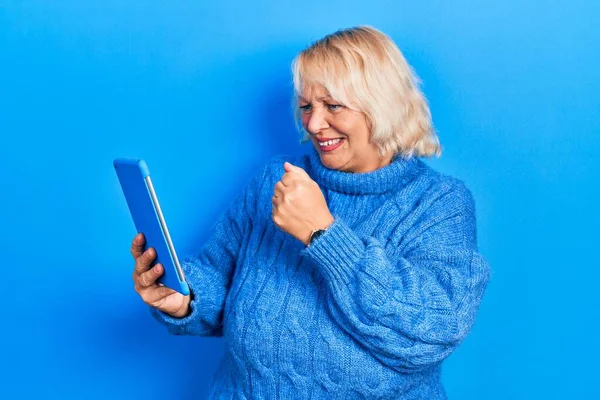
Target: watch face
[{"x": 316, "y": 235}]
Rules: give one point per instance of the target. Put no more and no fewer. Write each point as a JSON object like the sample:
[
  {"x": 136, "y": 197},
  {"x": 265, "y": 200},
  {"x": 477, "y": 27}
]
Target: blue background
[{"x": 201, "y": 91}]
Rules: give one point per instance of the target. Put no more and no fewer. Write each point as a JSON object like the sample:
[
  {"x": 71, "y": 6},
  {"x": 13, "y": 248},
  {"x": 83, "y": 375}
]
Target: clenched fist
[{"x": 299, "y": 206}]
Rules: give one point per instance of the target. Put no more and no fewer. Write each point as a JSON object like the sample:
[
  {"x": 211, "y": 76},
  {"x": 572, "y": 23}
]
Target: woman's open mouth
[{"x": 331, "y": 145}]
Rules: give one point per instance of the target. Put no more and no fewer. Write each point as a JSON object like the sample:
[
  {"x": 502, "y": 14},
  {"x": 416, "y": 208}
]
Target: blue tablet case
[{"x": 134, "y": 177}]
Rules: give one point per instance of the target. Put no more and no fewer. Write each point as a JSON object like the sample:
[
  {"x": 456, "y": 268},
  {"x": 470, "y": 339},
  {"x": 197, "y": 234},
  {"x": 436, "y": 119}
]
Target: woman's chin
[
  {"x": 335, "y": 159},
  {"x": 331, "y": 162}
]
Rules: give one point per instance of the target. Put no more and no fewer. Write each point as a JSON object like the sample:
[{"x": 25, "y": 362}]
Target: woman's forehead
[{"x": 314, "y": 92}]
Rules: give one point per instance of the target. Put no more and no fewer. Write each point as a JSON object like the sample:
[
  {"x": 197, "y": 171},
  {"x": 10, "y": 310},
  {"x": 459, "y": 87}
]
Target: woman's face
[{"x": 326, "y": 119}]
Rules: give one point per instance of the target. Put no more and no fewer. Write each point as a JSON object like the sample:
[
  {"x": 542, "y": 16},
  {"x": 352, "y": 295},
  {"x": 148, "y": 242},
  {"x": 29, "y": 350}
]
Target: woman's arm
[
  {"x": 413, "y": 312},
  {"x": 209, "y": 272}
]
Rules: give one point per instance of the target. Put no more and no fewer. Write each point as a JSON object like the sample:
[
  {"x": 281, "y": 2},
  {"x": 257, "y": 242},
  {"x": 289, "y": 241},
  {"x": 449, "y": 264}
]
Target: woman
[{"x": 350, "y": 272}]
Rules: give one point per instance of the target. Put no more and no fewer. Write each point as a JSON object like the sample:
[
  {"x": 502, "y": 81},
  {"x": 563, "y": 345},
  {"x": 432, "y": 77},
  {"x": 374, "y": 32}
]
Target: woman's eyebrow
[
  {"x": 321, "y": 99},
  {"x": 327, "y": 98}
]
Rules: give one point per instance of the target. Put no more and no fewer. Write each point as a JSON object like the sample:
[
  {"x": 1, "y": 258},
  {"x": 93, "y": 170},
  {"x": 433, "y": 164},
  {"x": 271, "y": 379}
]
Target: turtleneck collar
[{"x": 389, "y": 178}]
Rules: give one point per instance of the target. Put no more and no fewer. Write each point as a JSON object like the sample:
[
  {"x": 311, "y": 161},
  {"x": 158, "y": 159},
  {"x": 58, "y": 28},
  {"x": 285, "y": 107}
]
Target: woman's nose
[{"x": 317, "y": 121}]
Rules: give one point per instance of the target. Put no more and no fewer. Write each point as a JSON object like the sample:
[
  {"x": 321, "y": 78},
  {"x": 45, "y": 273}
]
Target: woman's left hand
[{"x": 299, "y": 206}]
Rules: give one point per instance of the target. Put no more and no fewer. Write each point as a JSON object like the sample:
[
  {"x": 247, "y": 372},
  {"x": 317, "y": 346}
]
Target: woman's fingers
[
  {"x": 288, "y": 179},
  {"x": 278, "y": 190},
  {"x": 280, "y": 186},
  {"x": 137, "y": 245},
  {"x": 142, "y": 263},
  {"x": 148, "y": 278},
  {"x": 151, "y": 291},
  {"x": 156, "y": 294},
  {"x": 145, "y": 284}
]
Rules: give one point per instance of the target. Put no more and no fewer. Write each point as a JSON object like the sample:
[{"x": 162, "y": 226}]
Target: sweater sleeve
[
  {"x": 410, "y": 310},
  {"x": 209, "y": 272}
]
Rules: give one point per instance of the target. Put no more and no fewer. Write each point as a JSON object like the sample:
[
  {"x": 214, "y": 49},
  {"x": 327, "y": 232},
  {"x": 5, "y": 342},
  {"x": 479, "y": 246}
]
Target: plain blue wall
[{"x": 201, "y": 91}]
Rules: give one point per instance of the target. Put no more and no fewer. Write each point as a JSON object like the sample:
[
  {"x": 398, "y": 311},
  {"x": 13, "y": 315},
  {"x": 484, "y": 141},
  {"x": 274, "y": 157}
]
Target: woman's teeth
[{"x": 329, "y": 142}]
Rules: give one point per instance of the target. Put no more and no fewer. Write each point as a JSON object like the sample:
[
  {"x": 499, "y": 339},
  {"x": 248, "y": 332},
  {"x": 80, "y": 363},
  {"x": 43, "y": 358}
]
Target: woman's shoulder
[
  {"x": 274, "y": 165},
  {"x": 432, "y": 185}
]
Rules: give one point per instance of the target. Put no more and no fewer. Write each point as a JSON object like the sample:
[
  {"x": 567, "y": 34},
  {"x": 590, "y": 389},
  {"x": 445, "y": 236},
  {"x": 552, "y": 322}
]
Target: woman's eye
[
  {"x": 334, "y": 107},
  {"x": 306, "y": 108}
]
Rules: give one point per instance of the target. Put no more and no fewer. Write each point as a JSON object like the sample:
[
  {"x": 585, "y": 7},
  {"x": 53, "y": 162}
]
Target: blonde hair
[{"x": 363, "y": 69}]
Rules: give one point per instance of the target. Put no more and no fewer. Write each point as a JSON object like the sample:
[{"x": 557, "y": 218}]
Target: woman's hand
[
  {"x": 153, "y": 293},
  {"x": 299, "y": 206}
]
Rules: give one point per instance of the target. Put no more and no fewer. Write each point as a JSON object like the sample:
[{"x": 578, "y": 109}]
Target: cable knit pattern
[{"x": 368, "y": 311}]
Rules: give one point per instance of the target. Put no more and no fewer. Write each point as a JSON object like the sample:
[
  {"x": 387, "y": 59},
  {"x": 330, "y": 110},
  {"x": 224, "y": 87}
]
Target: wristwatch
[{"x": 315, "y": 234}]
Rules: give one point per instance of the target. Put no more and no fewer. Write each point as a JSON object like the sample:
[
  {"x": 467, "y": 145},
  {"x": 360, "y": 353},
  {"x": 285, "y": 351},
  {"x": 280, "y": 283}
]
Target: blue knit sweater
[{"x": 368, "y": 311}]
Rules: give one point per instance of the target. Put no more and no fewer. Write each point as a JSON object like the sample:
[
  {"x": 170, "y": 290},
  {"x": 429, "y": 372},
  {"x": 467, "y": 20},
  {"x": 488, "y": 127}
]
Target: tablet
[{"x": 148, "y": 218}]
